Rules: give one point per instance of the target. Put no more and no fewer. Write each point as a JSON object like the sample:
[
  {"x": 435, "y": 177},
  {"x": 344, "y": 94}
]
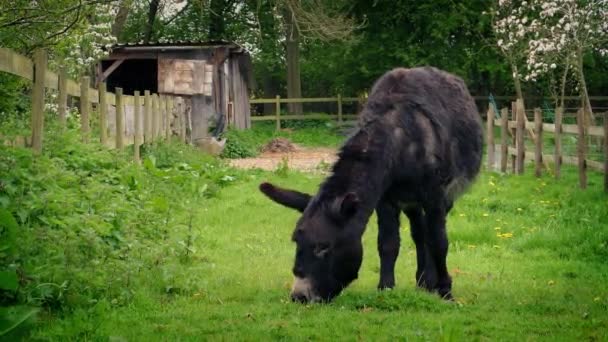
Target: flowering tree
[
  {"x": 546, "y": 35},
  {"x": 512, "y": 31},
  {"x": 570, "y": 29}
]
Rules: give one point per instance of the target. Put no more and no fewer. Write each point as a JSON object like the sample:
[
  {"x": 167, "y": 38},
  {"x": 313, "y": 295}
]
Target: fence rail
[
  {"x": 160, "y": 113},
  {"x": 513, "y": 142},
  {"x": 277, "y": 117}
]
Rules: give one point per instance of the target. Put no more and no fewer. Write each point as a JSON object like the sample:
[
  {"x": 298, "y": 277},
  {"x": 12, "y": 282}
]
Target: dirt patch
[
  {"x": 279, "y": 145},
  {"x": 302, "y": 159}
]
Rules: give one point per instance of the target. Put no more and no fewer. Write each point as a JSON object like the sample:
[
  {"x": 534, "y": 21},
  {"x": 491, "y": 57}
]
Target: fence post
[
  {"x": 120, "y": 108},
  {"x": 504, "y": 134},
  {"x": 606, "y": 152},
  {"x": 154, "y": 120},
  {"x": 147, "y": 115},
  {"x": 558, "y": 142},
  {"x": 137, "y": 118},
  {"x": 40, "y": 64},
  {"x": 182, "y": 115},
  {"x": 278, "y": 112},
  {"x": 339, "y": 109},
  {"x": 581, "y": 147},
  {"x": 84, "y": 108},
  {"x": 490, "y": 138},
  {"x": 62, "y": 99},
  {"x": 514, "y": 136},
  {"x": 103, "y": 113},
  {"x": 161, "y": 116},
  {"x": 169, "y": 116},
  {"x": 519, "y": 135},
  {"x": 538, "y": 153}
]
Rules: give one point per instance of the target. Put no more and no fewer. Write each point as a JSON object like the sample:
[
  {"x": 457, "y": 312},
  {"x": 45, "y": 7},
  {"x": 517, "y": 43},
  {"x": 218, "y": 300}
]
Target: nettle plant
[{"x": 540, "y": 38}]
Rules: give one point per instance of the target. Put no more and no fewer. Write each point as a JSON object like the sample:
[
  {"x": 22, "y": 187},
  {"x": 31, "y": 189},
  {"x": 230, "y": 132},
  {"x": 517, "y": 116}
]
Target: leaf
[
  {"x": 12, "y": 317},
  {"x": 8, "y": 280},
  {"x": 8, "y": 230},
  {"x": 150, "y": 163}
]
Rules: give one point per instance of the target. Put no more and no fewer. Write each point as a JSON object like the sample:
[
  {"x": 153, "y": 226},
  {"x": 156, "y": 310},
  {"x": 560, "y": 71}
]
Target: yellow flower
[
  {"x": 485, "y": 214},
  {"x": 519, "y": 209},
  {"x": 550, "y": 283},
  {"x": 497, "y": 228},
  {"x": 462, "y": 215},
  {"x": 491, "y": 183}
]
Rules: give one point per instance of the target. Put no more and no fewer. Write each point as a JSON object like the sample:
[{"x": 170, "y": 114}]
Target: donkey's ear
[
  {"x": 345, "y": 206},
  {"x": 289, "y": 198}
]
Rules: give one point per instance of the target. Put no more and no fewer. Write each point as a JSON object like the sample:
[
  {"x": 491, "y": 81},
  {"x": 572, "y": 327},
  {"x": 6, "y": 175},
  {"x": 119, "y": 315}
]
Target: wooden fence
[
  {"x": 277, "y": 117},
  {"x": 159, "y": 117},
  {"x": 515, "y": 127}
]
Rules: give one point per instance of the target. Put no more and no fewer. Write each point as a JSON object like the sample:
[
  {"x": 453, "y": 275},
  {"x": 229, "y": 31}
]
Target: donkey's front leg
[{"x": 388, "y": 242}]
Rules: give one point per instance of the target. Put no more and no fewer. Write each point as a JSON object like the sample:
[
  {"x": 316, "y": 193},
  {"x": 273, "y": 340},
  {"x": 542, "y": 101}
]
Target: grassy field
[
  {"x": 185, "y": 248},
  {"x": 527, "y": 257}
]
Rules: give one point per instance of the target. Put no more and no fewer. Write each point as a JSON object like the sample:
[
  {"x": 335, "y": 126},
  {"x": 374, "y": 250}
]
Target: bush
[{"x": 91, "y": 226}]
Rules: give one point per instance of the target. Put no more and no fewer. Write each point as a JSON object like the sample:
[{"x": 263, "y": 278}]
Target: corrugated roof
[{"x": 176, "y": 45}]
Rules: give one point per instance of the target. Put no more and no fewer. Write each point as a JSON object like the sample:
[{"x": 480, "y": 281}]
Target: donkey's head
[{"x": 328, "y": 257}]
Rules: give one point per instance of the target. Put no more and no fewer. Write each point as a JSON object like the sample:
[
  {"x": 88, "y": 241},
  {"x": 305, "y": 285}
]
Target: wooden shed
[{"x": 213, "y": 78}]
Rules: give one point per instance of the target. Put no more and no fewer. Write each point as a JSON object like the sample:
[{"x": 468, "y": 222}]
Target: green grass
[
  {"x": 546, "y": 282},
  {"x": 311, "y": 133},
  {"x": 185, "y": 248}
]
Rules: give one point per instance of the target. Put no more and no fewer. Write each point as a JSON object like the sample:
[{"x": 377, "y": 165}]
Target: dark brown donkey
[{"x": 418, "y": 146}]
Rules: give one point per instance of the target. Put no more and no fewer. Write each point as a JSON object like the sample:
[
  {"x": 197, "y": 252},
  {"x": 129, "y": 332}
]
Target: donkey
[{"x": 417, "y": 146}]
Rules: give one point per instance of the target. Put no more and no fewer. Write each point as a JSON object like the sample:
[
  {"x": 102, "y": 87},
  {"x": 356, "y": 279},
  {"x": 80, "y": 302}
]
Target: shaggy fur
[{"x": 418, "y": 146}]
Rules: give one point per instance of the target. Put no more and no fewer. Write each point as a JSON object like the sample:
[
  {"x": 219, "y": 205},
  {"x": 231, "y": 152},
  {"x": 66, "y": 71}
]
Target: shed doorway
[{"x": 133, "y": 74}]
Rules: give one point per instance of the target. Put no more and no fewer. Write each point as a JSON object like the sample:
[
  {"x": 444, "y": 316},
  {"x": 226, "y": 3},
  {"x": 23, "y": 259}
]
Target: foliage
[
  {"x": 309, "y": 133},
  {"x": 238, "y": 146},
  {"x": 516, "y": 274},
  {"x": 93, "y": 227}
]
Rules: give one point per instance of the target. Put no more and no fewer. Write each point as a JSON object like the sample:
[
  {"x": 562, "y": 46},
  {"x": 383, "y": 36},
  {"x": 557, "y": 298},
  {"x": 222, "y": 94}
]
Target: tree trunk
[
  {"x": 563, "y": 85},
  {"x": 294, "y": 87},
  {"x": 517, "y": 83},
  {"x": 149, "y": 29},
  {"x": 589, "y": 118},
  {"x": 217, "y": 25},
  {"x": 121, "y": 18}
]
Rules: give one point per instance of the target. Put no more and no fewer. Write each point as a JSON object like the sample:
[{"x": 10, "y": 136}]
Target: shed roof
[{"x": 178, "y": 46}]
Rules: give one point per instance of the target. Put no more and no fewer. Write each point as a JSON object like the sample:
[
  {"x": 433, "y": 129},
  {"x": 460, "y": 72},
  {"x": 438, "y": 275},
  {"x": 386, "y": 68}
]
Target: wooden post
[
  {"x": 538, "y": 150},
  {"x": 120, "y": 109},
  {"x": 84, "y": 108},
  {"x": 137, "y": 117},
  {"x": 103, "y": 113},
  {"x": 278, "y": 112},
  {"x": 147, "y": 117},
  {"x": 62, "y": 99},
  {"x": 339, "y": 109},
  {"x": 519, "y": 135},
  {"x": 504, "y": 143},
  {"x": 606, "y": 152},
  {"x": 169, "y": 116},
  {"x": 182, "y": 115},
  {"x": 40, "y": 64},
  {"x": 154, "y": 120},
  {"x": 490, "y": 138},
  {"x": 581, "y": 147},
  {"x": 161, "y": 116},
  {"x": 514, "y": 136},
  {"x": 558, "y": 142}
]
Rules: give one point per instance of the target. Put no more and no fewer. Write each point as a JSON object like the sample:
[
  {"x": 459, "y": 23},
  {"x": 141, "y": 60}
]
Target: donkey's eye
[{"x": 321, "y": 250}]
